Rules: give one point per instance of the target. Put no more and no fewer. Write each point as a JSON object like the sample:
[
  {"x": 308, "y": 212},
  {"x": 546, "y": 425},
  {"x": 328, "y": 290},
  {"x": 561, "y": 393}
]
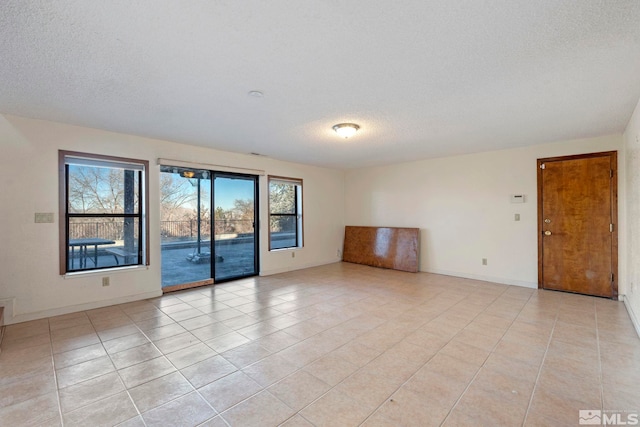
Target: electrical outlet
[
  {"x": 105, "y": 281},
  {"x": 43, "y": 218},
  {"x": 293, "y": 254},
  {"x": 517, "y": 217},
  {"x": 339, "y": 253},
  {"x": 484, "y": 261}
]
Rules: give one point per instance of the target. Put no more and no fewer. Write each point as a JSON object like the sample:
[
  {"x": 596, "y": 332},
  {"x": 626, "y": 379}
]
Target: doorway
[
  {"x": 577, "y": 218},
  {"x": 208, "y": 224}
]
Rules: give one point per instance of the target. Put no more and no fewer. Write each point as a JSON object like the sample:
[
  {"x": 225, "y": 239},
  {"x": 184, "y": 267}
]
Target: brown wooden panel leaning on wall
[{"x": 385, "y": 247}]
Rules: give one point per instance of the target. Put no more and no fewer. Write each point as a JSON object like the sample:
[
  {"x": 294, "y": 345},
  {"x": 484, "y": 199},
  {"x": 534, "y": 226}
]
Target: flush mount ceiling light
[{"x": 346, "y": 130}]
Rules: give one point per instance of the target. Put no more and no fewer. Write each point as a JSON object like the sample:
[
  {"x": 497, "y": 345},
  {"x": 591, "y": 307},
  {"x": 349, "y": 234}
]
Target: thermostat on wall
[{"x": 517, "y": 198}]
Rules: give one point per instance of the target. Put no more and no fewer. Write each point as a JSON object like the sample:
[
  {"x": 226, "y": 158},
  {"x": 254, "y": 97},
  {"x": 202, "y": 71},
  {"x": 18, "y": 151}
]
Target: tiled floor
[{"x": 339, "y": 345}]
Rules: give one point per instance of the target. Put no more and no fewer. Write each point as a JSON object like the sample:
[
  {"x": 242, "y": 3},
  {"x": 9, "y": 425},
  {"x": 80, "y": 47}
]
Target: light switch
[{"x": 44, "y": 218}]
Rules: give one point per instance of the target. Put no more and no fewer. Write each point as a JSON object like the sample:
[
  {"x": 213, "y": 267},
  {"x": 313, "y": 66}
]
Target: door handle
[{"x": 547, "y": 233}]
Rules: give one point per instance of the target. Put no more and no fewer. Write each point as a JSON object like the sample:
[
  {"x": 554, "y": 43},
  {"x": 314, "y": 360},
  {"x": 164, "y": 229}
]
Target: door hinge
[
  {"x": 612, "y": 277},
  {"x": 542, "y": 166},
  {"x": 610, "y": 173},
  {"x": 610, "y": 228}
]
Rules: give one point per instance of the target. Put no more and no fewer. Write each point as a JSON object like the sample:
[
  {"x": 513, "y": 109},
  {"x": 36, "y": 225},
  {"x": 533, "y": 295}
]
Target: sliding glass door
[
  {"x": 197, "y": 205},
  {"x": 236, "y": 243}
]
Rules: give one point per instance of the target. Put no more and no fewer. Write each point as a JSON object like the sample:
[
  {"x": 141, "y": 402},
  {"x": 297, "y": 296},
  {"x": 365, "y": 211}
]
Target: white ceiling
[{"x": 422, "y": 78}]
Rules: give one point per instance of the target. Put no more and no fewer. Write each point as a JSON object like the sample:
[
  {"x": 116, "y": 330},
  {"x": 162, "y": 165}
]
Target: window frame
[
  {"x": 64, "y": 215},
  {"x": 298, "y": 214}
]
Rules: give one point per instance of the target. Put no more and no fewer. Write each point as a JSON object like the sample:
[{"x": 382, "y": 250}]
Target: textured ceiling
[{"x": 422, "y": 78}]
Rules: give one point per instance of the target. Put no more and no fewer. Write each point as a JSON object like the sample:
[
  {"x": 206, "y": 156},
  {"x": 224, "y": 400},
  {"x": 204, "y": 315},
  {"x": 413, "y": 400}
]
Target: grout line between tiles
[{"x": 535, "y": 386}]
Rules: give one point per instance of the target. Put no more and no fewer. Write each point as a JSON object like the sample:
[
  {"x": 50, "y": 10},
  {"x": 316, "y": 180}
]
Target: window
[
  {"x": 285, "y": 213},
  {"x": 102, "y": 212}
]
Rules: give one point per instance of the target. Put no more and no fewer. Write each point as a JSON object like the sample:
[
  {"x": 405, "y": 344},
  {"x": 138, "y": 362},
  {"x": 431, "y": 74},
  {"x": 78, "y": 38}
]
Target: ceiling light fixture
[{"x": 346, "y": 130}]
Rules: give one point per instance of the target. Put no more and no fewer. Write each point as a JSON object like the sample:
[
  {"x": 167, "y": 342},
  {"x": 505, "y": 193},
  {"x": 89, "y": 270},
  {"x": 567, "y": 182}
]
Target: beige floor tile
[
  {"x": 257, "y": 330},
  {"x": 296, "y": 421},
  {"x": 190, "y": 355},
  {"x": 136, "y": 421},
  {"x": 10, "y": 355},
  {"x": 549, "y": 405},
  {"x": 207, "y": 371},
  {"x": 110, "y": 411},
  {"x": 230, "y": 390},
  {"x": 155, "y": 322},
  {"x": 356, "y": 353},
  {"x": 84, "y": 371},
  {"x": 27, "y": 388},
  {"x": 246, "y": 354},
  {"x": 33, "y": 412},
  {"x": 216, "y": 421},
  {"x": 277, "y": 341},
  {"x": 119, "y": 332},
  {"x": 400, "y": 348},
  {"x": 24, "y": 343},
  {"x": 68, "y": 321},
  {"x": 211, "y": 331},
  {"x": 369, "y": 389},
  {"x": 72, "y": 332},
  {"x": 465, "y": 352},
  {"x": 566, "y": 384},
  {"x": 299, "y": 389},
  {"x": 84, "y": 393},
  {"x": 24, "y": 330},
  {"x": 494, "y": 406},
  {"x": 331, "y": 369},
  {"x": 188, "y": 410},
  {"x": 124, "y": 343},
  {"x": 197, "y": 322},
  {"x": 68, "y": 344},
  {"x": 160, "y": 391},
  {"x": 73, "y": 357},
  {"x": 621, "y": 396},
  {"x": 335, "y": 408},
  {"x": 269, "y": 370},
  {"x": 165, "y": 331},
  {"x": 175, "y": 308},
  {"x": 522, "y": 353},
  {"x": 176, "y": 342},
  {"x": 14, "y": 371},
  {"x": 146, "y": 314},
  {"x": 302, "y": 353},
  {"x": 227, "y": 341},
  {"x": 409, "y": 409},
  {"x": 145, "y": 371},
  {"x": 510, "y": 366},
  {"x": 135, "y": 355},
  {"x": 262, "y": 409}
]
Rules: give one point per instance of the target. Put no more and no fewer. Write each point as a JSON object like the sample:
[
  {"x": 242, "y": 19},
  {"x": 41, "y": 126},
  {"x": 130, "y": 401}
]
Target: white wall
[
  {"x": 462, "y": 206},
  {"x": 632, "y": 156},
  {"x": 30, "y": 283}
]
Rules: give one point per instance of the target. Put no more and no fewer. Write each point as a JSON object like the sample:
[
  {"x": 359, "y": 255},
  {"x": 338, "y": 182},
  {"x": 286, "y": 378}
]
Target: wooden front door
[{"x": 577, "y": 215}]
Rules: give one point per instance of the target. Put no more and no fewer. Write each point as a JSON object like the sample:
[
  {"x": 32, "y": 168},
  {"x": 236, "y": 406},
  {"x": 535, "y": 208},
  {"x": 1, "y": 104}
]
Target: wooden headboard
[{"x": 385, "y": 247}]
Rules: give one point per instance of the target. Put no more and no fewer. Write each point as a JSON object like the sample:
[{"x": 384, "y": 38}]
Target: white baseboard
[
  {"x": 501, "y": 280},
  {"x": 633, "y": 315},
  {"x": 297, "y": 267},
  {"x": 25, "y": 317}
]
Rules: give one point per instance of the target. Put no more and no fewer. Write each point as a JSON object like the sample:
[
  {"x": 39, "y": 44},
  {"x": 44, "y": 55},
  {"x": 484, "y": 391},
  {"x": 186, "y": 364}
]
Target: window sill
[{"x": 102, "y": 272}]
